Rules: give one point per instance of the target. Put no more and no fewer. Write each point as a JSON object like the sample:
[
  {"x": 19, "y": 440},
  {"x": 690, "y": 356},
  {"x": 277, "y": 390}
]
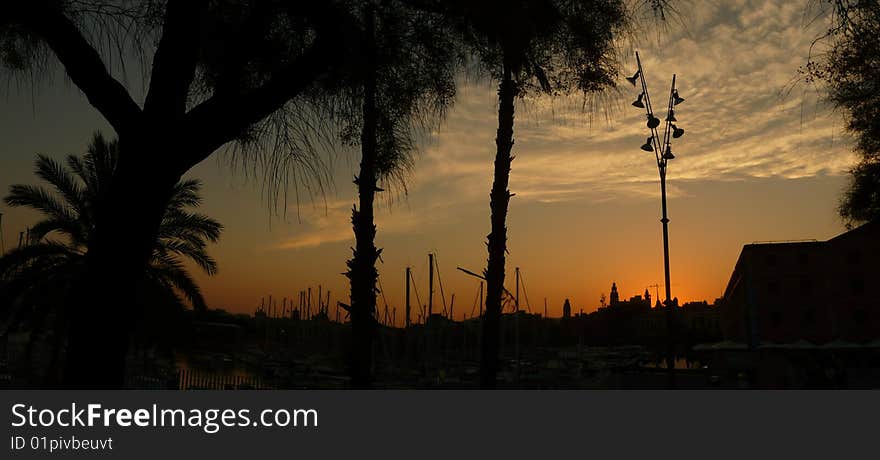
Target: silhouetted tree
[
  {"x": 849, "y": 67},
  {"x": 38, "y": 275},
  {"x": 222, "y": 71},
  {"x": 531, "y": 47},
  {"x": 406, "y": 80}
]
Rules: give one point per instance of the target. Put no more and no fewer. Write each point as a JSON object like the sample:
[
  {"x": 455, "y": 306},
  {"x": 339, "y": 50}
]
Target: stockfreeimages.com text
[{"x": 209, "y": 420}]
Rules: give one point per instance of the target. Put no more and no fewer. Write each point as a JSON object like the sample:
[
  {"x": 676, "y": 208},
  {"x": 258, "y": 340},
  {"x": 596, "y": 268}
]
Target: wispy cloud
[
  {"x": 735, "y": 65},
  {"x": 735, "y": 62}
]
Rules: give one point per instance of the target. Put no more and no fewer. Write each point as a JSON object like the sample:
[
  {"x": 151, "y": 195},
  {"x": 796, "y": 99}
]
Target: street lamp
[{"x": 662, "y": 149}]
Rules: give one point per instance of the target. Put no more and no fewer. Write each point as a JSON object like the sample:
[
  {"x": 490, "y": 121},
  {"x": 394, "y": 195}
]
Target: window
[
  {"x": 854, "y": 257},
  {"x": 858, "y": 286},
  {"x": 773, "y": 287},
  {"x": 860, "y": 316},
  {"x": 803, "y": 258},
  {"x": 809, "y": 316},
  {"x": 806, "y": 286},
  {"x": 776, "y": 319}
]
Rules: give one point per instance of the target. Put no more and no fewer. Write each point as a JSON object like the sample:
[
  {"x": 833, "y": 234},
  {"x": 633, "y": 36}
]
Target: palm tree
[
  {"x": 55, "y": 255},
  {"x": 531, "y": 47},
  {"x": 403, "y": 83}
]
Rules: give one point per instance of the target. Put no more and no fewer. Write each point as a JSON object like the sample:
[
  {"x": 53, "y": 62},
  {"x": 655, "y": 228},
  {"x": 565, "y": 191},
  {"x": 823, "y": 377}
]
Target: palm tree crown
[{"x": 69, "y": 212}]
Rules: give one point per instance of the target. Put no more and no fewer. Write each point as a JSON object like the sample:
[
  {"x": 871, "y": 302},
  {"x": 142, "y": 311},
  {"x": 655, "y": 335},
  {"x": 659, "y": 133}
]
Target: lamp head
[
  {"x": 638, "y": 102},
  {"x": 676, "y": 99},
  {"x": 677, "y": 132},
  {"x": 633, "y": 78}
]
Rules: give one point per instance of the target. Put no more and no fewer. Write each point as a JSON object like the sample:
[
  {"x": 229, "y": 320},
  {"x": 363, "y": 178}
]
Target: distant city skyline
[{"x": 756, "y": 163}]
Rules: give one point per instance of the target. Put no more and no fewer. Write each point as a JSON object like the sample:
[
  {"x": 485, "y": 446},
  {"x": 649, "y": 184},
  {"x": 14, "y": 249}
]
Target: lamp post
[{"x": 662, "y": 149}]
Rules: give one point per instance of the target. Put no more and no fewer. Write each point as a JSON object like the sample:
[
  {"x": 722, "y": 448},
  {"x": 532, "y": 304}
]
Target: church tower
[{"x": 614, "y": 298}]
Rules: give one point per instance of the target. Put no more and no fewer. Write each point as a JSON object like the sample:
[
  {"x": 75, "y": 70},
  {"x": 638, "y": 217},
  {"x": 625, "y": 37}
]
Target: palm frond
[
  {"x": 175, "y": 274},
  {"x": 100, "y": 164},
  {"x": 42, "y": 254},
  {"x": 185, "y": 225},
  {"x": 196, "y": 252},
  {"x": 73, "y": 229},
  {"x": 79, "y": 167},
  {"x": 39, "y": 199},
  {"x": 59, "y": 177},
  {"x": 186, "y": 194}
]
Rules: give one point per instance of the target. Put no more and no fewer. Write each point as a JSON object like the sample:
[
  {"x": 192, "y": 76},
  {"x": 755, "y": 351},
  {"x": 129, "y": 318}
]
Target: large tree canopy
[
  {"x": 219, "y": 71},
  {"x": 551, "y": 46},
  {"x": 848, "y": 64}
]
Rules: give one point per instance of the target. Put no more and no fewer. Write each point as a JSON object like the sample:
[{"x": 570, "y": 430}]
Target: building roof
[
  {"x": 870, "y": 227},
  {"x": 767, "y": 246}
]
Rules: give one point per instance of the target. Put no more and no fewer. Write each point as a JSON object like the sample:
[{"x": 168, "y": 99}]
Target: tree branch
[
  {"x": 224, "y": 117},
  {"x": 174, "y": 62},
  {"x": 81, "y": 61}
]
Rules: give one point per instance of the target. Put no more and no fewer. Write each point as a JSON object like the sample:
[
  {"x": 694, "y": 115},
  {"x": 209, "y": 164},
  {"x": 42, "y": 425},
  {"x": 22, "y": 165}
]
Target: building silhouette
[
  {"x": 635, "y": 322},
  {"x": 614, "y": 297},
  {"x": 634, "y": 304},
  {"x": 809, "y": 290}
]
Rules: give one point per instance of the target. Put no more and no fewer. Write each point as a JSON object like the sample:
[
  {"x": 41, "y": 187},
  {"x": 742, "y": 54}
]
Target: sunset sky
[{"x": 761, "y": 160}]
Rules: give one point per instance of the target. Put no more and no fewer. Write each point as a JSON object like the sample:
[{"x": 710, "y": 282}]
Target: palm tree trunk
[
  {"x": 362, "y": 267},
  {"x": 499, "y": 200},
  {"x": 101, "y": 305}
]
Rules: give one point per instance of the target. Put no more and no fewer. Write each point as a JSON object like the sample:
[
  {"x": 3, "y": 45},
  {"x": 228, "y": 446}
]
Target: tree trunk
[
  {"x": 499, "y": 200},
  {"x": 362, "y": 266},
  {"x": 101, "y": 305}
]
